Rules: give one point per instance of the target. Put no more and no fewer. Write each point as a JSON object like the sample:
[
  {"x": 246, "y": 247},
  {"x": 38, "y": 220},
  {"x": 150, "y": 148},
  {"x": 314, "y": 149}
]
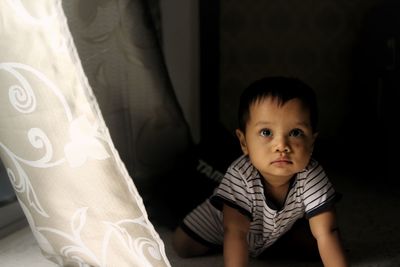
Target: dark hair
[{"x": 281, "y": 88}]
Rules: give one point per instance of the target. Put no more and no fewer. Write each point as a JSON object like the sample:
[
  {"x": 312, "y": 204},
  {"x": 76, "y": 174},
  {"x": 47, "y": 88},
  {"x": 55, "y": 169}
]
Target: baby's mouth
[{"x": 283, "y": 160}]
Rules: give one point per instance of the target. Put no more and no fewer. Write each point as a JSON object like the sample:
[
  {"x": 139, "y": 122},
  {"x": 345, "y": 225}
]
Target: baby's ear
[
  {"x": 243, "y": 145},
  {"x": 314, "y": 138},
  {"x": 315, "y": 135}
]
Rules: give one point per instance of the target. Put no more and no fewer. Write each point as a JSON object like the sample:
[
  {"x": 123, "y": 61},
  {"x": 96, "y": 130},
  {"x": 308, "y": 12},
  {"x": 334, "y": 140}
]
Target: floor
[{"x": 368, "y": 215}]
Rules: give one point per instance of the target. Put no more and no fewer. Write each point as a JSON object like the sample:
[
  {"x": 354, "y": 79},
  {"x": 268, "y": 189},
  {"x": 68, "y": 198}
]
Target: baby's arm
[
  {"x": 236, "y": 227},
  {"x": 324, "y": 229}
]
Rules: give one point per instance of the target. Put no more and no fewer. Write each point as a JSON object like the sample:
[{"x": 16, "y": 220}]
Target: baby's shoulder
[
  {"x": 241, "y": 164},
  {"x": 314, "y": 168},
  {"x": 242, "y": 169}
]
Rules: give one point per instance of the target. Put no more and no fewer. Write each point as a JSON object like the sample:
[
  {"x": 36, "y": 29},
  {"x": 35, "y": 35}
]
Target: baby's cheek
[{"x": 303, "y": 151}]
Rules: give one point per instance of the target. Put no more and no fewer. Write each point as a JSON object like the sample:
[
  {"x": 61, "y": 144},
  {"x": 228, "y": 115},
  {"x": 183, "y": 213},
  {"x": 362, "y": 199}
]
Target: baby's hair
[{"x": 282, "y": 89}]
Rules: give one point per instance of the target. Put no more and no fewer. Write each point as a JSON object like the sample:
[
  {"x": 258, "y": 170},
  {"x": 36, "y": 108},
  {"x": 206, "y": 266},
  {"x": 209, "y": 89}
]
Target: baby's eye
[
  {"x": 296, "y": 133},
  {"x": 265, "y": 132}
]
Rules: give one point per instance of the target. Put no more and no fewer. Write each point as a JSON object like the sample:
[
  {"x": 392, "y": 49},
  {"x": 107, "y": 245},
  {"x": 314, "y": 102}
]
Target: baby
[{"x": 273, "y": 186}]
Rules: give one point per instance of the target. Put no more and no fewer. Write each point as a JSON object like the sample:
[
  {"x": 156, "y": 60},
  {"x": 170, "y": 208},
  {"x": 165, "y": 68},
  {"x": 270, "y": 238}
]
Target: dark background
[{"x": 347, "y": 50}]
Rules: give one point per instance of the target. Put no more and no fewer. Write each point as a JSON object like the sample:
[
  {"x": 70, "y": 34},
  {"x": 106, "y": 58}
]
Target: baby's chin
[{"x": 278, "y": 177}]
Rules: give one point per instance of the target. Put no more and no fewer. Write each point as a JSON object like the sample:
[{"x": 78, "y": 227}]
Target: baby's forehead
[{"x": 275, "y": 109}]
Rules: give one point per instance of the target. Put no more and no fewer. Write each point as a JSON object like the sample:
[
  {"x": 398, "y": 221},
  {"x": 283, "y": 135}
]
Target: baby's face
[{"x": 279, "y": 139}]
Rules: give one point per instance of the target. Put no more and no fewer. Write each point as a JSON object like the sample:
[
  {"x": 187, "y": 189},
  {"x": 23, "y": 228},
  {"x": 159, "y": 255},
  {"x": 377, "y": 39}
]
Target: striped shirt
[{"x": 309, "y": 194}]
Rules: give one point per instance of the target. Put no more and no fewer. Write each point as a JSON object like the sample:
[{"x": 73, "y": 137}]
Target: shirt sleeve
[
  {"x": 233, "y": 191},
  {"x": 319, "y": 193}
]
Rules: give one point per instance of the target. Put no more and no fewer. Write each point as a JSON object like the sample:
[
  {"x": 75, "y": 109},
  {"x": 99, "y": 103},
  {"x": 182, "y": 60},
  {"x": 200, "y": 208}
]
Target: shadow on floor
[{"x": 369, "y": 219}]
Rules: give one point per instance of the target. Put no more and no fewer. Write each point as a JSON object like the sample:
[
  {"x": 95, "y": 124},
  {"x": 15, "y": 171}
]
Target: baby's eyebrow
[
  {"x": 303, "y": 123},
  {"x": 300, "y": 123},
  {"x": 263, "y": 123}
]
